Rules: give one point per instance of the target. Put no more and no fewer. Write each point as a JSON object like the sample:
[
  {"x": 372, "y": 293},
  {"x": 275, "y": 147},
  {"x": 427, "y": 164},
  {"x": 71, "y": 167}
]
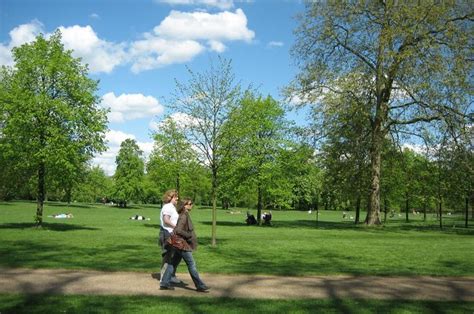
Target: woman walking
[{"x": 185, "y": 229}]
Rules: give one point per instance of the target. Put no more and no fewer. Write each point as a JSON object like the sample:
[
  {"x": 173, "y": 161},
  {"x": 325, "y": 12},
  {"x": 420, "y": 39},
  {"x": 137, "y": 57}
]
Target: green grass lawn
[
  {"x": 103, "y": 238},
  {"x": 144, "y": 304}
]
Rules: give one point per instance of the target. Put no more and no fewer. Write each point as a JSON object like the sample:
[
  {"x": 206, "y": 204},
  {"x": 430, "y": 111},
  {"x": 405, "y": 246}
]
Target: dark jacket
[{"x": 185, "y": 229}]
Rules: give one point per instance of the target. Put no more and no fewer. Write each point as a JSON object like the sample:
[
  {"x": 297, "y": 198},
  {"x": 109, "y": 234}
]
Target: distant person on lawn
[
  {"x": 169, "y": 219},
  {"x": 185, "y": 230}
]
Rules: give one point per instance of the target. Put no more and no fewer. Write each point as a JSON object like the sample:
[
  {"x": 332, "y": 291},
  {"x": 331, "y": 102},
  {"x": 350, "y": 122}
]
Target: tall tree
[
  {"x": 207, "y": 99},
  {"x": 50, "y": 115},
  {"x": 416, "y": 57},
  {"x": 129, "y": 174},
  {"x": 172, "y": 155},
  {"x": 258, "y": 126}
]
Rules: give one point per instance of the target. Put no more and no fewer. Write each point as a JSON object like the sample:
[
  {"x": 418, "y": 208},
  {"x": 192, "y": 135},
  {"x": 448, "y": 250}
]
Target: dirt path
[{"x": 238, "y": 286}]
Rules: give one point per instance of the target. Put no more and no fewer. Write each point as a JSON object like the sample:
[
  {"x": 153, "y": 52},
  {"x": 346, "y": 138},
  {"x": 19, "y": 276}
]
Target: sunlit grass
[{"x": 102, "y": 237}]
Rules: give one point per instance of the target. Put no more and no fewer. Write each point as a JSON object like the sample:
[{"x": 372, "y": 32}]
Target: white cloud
[
  {"x": 130, "y": 106},
  {"x": 205, "y": 26},
  {"x": 179, "y": 38},
  {"x": 155, "y": 52},
  {"x": 275, "y": 44},
  {"x": 101, "y": 55},
  {"x": 94, "y": 16},
  {"x": 182, "y": 121},
  {"x": 221, "y": 4},
  {"x": 217, "y": 46}
]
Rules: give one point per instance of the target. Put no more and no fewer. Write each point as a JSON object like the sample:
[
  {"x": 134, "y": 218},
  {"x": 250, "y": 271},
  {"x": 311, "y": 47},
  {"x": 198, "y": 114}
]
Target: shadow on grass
[
  {"x": 350, "y": 225},
  {"x": 15, "y": 254},
  {"x": 46, "y": 226},
  {"x": 154, "y": 226},
  {"x": 225, "y": 223},
  {"x": 47, "y": 303},
  {"x": 66, "y": 205}
]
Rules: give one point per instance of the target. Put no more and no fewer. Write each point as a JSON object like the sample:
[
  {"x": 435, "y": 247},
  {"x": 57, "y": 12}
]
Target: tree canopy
[
  {"x": 50, "y": 121},
  {"x": 413, "y": 60}
]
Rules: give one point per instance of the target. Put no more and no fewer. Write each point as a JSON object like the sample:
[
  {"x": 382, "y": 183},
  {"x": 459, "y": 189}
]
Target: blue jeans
[
  {"x": 167, "y": 251},
  {"x": 188, "y": 258}
]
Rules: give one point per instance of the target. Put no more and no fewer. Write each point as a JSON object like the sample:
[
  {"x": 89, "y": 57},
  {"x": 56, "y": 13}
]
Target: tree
[
  {"x": 207, "y": 100},
  {"x": 258, "y": 125},
  {"x": 129, "y": 174},
  {"x": 50, "y": 120},
  {"x": 414, "y": 56},
  {"x": 95, "y": 186},
  {"x": 172, "y": 155}
]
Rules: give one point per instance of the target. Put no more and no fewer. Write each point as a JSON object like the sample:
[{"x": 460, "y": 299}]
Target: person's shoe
[
  {"x": 203, "y": 289},
  {"x": 166, "y": 288},
  {"x": 175, "y": 280}
]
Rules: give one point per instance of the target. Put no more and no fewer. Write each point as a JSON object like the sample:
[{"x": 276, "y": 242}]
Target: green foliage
[
  {"x": 128, "y": 178},
  {"x": 51, "y": 124},
  {"x": 412, "y": 61},
  {"x": 174, "y": 164},
  {"x": 257, "y": 136},
  {"x": 95, "y": 186}
]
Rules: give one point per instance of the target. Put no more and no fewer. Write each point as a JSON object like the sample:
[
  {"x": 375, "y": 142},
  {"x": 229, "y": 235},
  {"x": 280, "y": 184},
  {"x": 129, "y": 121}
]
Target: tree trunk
[
  {"x": 214, "y": 207},
  {"x": 467, "y": 212},
  {"x": 41, "y": 194},
  {"x": 373, "y": 213},
  {"x": 385, "y": 209},
  {"x": 424, "y": 210},
  {"x": 406, "y": 207},
  {"x": 440, "y": 212},
  {"x": 357, "y": 210},
  {"x": 259, "y": 204},
  {"x": 317, "y": 210},
  {"x": 177, "y": 183}
]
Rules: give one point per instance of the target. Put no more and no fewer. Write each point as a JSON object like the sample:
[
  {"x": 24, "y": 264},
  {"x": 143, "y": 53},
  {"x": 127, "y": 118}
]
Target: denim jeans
[
  {"x": 167, "y": 252},
  {"x": 188, "y": 258}
]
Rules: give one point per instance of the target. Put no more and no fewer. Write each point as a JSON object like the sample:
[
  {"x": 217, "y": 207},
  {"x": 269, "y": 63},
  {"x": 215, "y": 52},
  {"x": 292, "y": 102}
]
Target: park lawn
[
  {"x": 10, "y": 303},
  {"x": 101, "y": 237}
]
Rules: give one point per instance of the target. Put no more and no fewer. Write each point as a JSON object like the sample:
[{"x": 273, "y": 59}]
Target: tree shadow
[
  {"x": 46, "y": 303},
  {"x": 46, "y": 226},
  {"x": 154, "y": 226},
  {"x": 66, "y": 205},
  {"x": 225, "y": 223}
]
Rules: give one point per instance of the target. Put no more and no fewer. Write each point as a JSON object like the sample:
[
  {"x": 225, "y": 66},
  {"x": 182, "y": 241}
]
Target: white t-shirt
[{"x": 169, "y": 210}]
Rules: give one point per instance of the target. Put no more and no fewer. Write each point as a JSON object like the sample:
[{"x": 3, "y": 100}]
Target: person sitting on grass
[
  {"x": 267, "y": 218},
  {"x": 139, "y": 217},
  {"x": 60, "y": 216},
  {"x": 250, "y": 219}
]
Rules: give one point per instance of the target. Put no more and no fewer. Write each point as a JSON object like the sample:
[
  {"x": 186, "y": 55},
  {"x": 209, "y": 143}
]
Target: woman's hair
[
  {"x": 181, "y": 204},
  {"x": 168, "y": 196}
]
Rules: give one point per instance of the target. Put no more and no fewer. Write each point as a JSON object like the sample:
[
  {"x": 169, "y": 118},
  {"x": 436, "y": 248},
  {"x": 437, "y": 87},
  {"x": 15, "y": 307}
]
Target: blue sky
[{"x": 137, "y": 48}]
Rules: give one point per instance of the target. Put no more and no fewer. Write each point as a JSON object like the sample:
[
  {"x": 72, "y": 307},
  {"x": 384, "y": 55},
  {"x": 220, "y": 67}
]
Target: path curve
[{"x": 87, "y": 282}]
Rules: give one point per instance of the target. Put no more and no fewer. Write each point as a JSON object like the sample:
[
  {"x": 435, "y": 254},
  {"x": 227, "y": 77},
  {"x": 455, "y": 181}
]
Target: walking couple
[{"x": 177, "y": 221}]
